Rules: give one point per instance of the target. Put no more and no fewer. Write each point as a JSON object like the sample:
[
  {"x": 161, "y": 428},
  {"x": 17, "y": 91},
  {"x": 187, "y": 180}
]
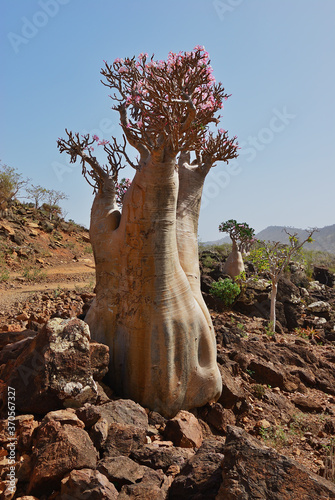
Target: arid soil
[
  {"x": 74, "y": 275},
  {"x": 278, "y": 388}
]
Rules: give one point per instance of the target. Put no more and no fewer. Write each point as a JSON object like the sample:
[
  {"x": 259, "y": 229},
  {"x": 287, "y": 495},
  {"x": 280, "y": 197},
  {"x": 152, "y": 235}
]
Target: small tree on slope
[
  {"x": 148, "y": 306},
  {"x": 273, "y": 258}
]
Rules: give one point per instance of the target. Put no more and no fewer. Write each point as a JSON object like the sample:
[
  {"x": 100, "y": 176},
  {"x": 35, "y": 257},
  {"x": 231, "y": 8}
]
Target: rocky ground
[{"x": 271, "y": 435}]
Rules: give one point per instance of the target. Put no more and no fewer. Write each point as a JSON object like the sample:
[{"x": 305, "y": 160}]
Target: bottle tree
[
  {"x": 148, "y": 307},
  {"x": 242, "y": 237},
  {"x": 272, "y": 258}
]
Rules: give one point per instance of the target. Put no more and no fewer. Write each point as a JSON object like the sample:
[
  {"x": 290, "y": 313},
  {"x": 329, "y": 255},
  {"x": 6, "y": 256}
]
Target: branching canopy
[
  {"x": 169, "y": 103},
  {"x": 170, "y": 106}
]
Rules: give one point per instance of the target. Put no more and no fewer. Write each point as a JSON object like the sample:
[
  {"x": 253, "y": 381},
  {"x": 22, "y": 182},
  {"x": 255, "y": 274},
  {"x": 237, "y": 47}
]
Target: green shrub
[{"x": 226, "y": 290}]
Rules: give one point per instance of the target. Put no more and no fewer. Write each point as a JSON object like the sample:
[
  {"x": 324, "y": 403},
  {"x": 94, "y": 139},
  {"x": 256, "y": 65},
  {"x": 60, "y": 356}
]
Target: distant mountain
[{"x": 324, "y": 238}]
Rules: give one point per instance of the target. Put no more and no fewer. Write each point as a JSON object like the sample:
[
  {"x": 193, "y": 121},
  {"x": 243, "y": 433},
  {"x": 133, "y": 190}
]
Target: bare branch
[
  {"x": 131, "y": 137},
  {"x": 82, "y": 146}
]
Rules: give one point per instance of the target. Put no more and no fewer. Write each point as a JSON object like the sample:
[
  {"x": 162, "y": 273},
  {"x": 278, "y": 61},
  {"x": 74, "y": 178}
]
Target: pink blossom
[
  {"x": 95, "y": 138},
  {"x": 103, "y": 142}
]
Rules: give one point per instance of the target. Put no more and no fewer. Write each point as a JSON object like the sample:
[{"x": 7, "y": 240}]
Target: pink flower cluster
[
  {"x": 144, "y": 79},
  {"x": 101, "y": 142}
]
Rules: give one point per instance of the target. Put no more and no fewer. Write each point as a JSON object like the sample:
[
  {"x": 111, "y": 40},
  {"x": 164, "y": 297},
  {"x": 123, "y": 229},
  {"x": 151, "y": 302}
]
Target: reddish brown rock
[
  {"x": 184, "y": 430},
  {"x": 67, "y": 416},
  {"x": 87, "y": 484},
  {"x": 154, "y": 486},
  {"x": 218, "y": 417},
  {"x": 122, "y": 411},
  {"x": 252, "y": 470},
  {"x": 122, "y": 470},
  {"x": 307, "y": 404},
  {"x": 122, "y": 439},
  {"x": 266, "y": 372},
  {"x": 201, "y": 476},
  {"x": 58, "y": 450},
  {"x": 232, "y": 392},
  {"x": 24, "y": 426},
  {"x": 162, "y": 457}
]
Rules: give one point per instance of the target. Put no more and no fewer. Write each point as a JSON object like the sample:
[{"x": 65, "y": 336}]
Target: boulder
[
  {"x": 12, "y": 337},
  {"x": 320, "y": 308},
  {"x": 87, "y": 484},
  {"x": 287, "y": 291},
  {"x": 121, "y": 470},
  {"x": 122, "y": 439},
  {"x": 56, "y": 368},
  {"x": 59, "y": 448},
  {"x": 67, "y": 416},
  {"x": 232, "y": 392},
  {"x": 201, "y": 476},
  {"x": 159, "y": 456},
  {"x": 252, "y": 470},
  {"x": 121, "y": 411},
  {"x": 217, "y": 416},
  {"x": 154, "y": 486},
  {"x": 307, "y": 404},
  {"x": 266, "y": 372},
  {"x": 184, "y": 430},
  {"x": 323, "y": 276}
]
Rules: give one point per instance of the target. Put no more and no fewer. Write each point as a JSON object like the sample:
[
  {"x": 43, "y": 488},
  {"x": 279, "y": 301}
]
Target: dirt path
[{"x": 66, "y": 276}]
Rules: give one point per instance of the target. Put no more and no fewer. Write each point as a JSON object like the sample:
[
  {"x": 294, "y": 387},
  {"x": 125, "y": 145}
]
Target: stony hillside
[
  {"x": 28, "y": 237},
  {"x": 37, "y": 253},
  {"x": 270, "y": 436}
]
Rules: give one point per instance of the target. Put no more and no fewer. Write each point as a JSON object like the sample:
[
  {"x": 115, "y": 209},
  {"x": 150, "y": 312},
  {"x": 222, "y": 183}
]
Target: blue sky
[{"x": 275, "y": 58}]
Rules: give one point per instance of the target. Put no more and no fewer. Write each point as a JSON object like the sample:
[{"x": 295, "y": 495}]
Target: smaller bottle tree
[
  {"x": 272, "y": 259},
  {"x": 242, "y": 236}
]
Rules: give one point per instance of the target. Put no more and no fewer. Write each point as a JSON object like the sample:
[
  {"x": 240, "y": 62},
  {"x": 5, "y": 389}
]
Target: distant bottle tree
[
  {"x": 242, "y": 237},
  {"x": 272, "y": 258}
]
